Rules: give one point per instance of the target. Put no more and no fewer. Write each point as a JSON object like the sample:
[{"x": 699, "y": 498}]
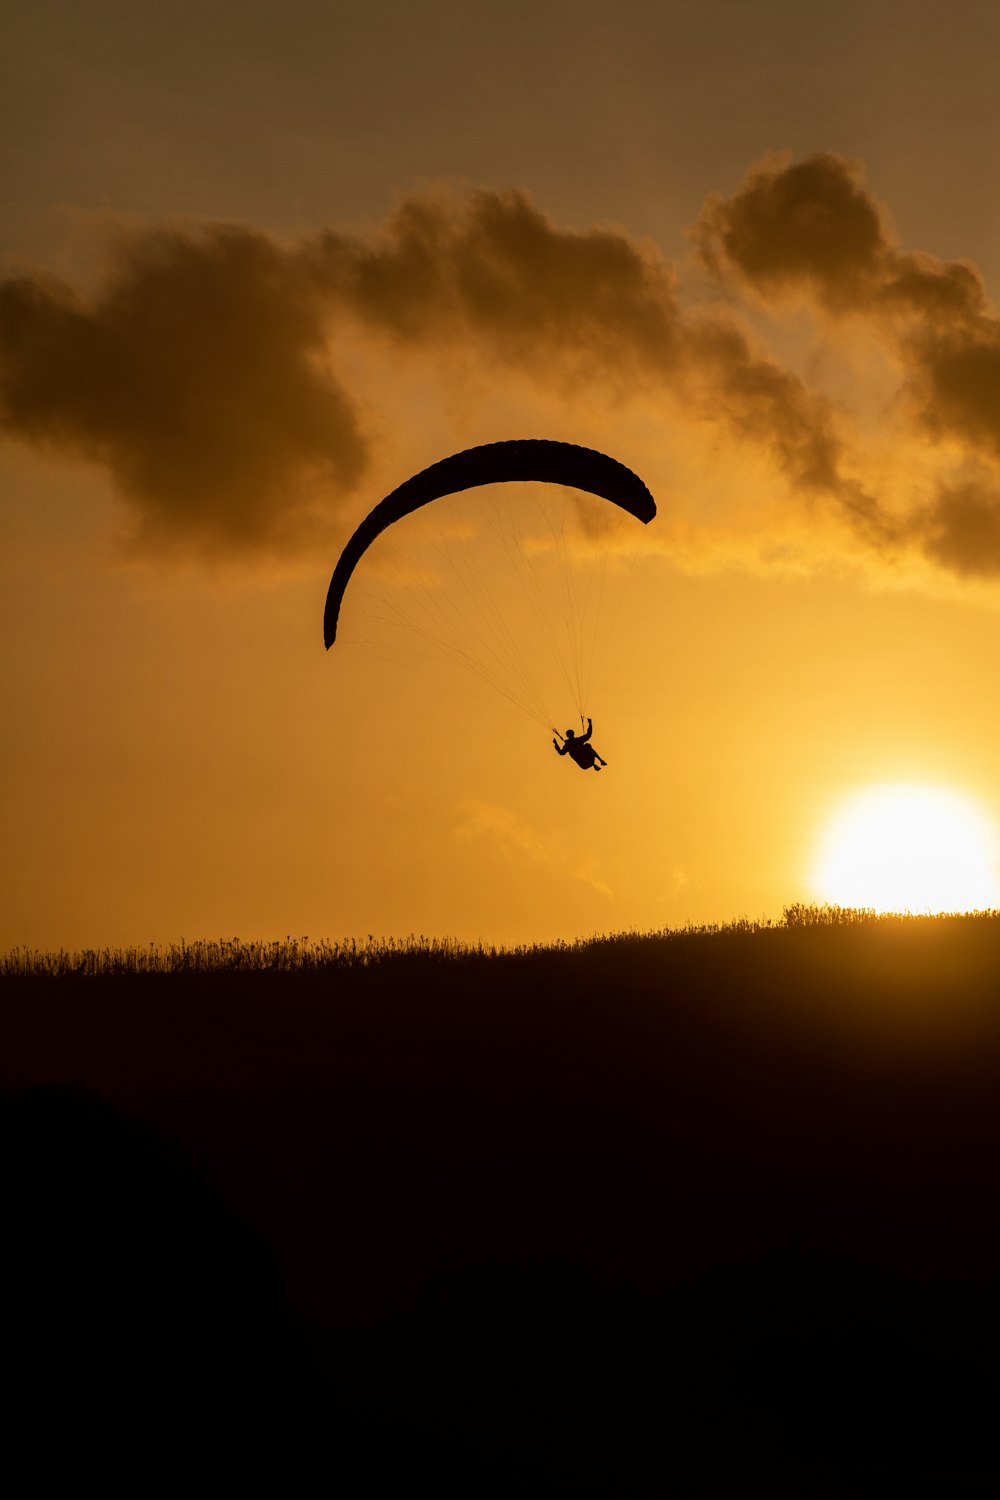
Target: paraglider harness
[{"x": 580, "y": 750}]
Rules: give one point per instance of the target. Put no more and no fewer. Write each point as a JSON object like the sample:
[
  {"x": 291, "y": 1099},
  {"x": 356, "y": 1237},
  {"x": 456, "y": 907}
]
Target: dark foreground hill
[{"x": 709, "y": 1213}]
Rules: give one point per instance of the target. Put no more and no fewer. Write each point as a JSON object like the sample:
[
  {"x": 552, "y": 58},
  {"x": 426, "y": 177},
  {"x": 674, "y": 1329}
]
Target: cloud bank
[
  {"x": 811, "y": 229},
  {"x": 212, "y": 372},
  {"x": 197, "y": 375}
]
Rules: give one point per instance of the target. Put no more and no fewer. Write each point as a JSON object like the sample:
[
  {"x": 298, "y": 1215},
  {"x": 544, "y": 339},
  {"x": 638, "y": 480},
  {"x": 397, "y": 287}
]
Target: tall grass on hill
[
  {"x": 291, "y": 955},
  {"x": 705, "y": 1212}
]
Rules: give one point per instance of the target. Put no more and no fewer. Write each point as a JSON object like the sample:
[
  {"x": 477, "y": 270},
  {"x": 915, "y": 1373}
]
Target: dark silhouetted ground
[{"x": 706, "y": 1213}]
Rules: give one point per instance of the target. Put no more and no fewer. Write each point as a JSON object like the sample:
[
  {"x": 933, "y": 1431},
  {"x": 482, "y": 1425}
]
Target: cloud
[
  {"x": 519, "y": 840},
  {"x": 492, "y": 266},
  {"x": 234, "y": 385},
  {"x": 961, "y": 528},
  {"x": 955, "y": 382},
  {"x": 200, "y": 373},
  {"x": 197, "y": 376},
  {"x": 812, "y": 228},
  {"x": 807, "y": 223},
  {"x": 765, "y": 404},
  {"x": 578, "y": 307}
]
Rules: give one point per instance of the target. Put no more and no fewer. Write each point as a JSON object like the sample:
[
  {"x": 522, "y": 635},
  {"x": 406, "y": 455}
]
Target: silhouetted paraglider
[
  {"x": 578, "y": 748},
  {"x": 529, "y": 459},
  {"x": 450, "y": 594}
]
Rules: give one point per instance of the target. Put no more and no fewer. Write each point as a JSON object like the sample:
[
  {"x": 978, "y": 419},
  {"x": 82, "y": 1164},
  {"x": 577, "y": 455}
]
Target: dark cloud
[
  {"x": 199, "y": 373},
  {"x": 766, "y": 404},
  {"x": 813, "y": 227},
  {"x": 961, "y": 530},
  {"x": 492, "y": 267},
  {"x": 943, "y": 294},
  {"x": 197, "y": 376},
  {"x": 956, "y": 380},
  {"x": 808, "y": 224},
  {"x": 201, "y": 376}
]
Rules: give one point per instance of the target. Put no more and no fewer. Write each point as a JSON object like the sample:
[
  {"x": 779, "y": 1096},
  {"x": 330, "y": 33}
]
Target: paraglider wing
[{"x": 534, "y": 459}]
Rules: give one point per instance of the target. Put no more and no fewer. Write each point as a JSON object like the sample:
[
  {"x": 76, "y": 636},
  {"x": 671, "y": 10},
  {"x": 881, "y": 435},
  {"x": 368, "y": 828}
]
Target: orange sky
[{"x": 260, "y": 263}]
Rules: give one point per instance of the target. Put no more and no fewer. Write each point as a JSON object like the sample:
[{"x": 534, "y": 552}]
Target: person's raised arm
[
  {"x": 560, "y": 749},
  {"x": 590, "y": 729}
]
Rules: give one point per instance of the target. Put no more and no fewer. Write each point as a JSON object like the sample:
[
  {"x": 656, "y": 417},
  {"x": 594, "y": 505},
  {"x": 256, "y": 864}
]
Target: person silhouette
[{"x": 578, "y": 748}]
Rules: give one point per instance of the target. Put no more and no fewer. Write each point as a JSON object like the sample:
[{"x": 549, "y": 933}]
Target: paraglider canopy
[{"x": 530, "y": 459}]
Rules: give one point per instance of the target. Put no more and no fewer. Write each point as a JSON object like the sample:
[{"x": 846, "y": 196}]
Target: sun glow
[{"x": 909, "y": 848}]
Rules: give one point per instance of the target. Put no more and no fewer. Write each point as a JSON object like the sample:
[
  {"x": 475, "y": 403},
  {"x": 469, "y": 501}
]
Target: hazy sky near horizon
[{"x": 261, "y": 262}]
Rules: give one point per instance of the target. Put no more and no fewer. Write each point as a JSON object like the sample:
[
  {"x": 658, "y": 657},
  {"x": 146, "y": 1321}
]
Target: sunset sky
[{"x": 261, "y": 262}]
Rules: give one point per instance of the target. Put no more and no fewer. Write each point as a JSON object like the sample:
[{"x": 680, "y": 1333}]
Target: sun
[{"x": 909, "y": 849}]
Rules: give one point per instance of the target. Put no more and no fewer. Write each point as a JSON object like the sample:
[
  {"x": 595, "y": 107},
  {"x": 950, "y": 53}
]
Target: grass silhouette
[
  {"x": 703, "y": 1211},
  {"x": 290, "y": 954}
]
